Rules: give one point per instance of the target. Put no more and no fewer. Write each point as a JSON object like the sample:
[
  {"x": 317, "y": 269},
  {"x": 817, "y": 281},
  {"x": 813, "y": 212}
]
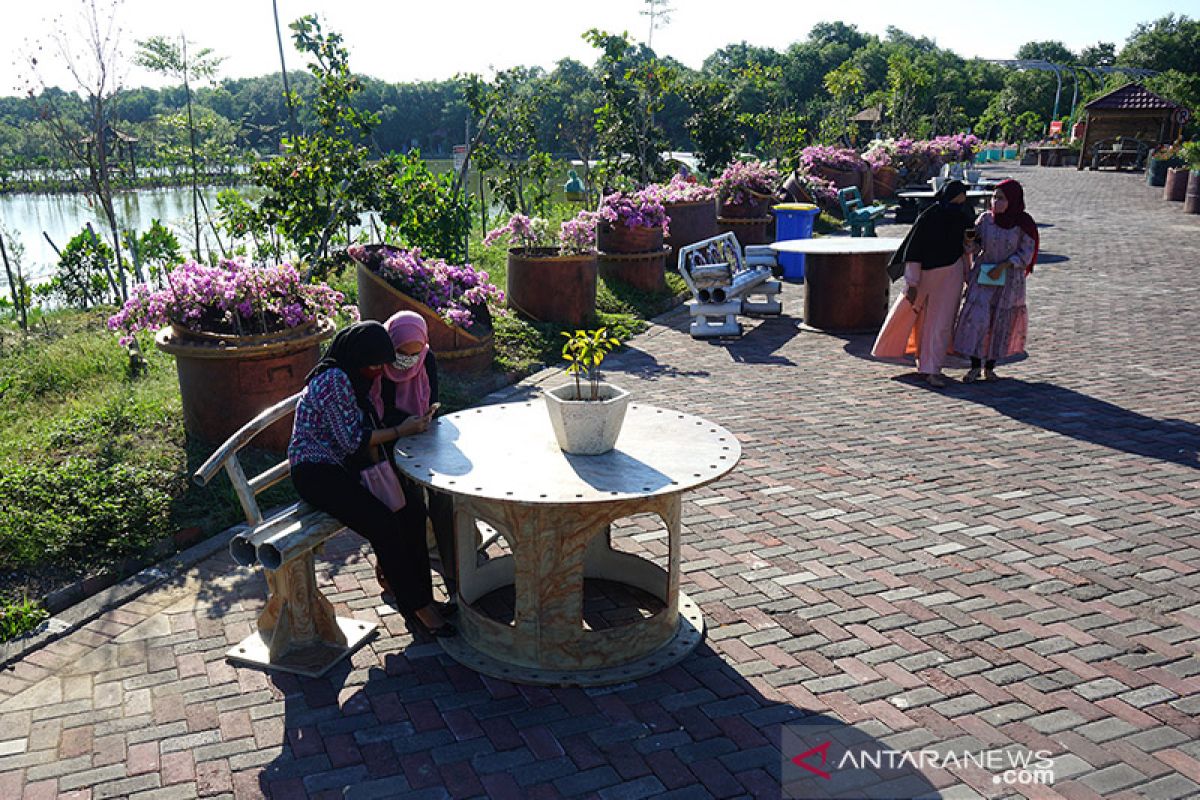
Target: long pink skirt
[{"x": 923, "y": 328}]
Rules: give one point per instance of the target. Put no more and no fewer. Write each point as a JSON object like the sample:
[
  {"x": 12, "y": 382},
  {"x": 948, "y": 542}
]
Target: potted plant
[
  {"x": 689, "y": 206},
  {"x": 1161, "y": 159},
  {"x": 551, "y": 278},
  {"x": 244, "y": 337},
  {"x": 884, "y": 175},
  {"x": 453, "y": 300},
  {"x": 631, "y": 223},
  {"x": 745, "y": 190},
  {"x": 841, "y": 166},
  {"x": 587, "y": 417}
]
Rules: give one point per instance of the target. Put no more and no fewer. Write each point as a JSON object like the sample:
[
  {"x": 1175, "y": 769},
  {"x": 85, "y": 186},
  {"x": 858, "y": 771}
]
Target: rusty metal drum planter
[
  {"x": 548, "y": 287},
  {"x": 690, "y": 223},
  {"x": 225, "y": 381},
  {"x": 1191, "y": 200},
  {"x": 748, "y": 230},
  {"x": 645, "y": 271},
  {"x": 1175, "y": 187},
  {"x": 457, "y": 349},
  {"x": 620, "y": 239}
]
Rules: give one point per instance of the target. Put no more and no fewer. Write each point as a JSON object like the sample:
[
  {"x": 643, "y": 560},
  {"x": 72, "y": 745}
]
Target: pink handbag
[{"x": 381, "y": 481}]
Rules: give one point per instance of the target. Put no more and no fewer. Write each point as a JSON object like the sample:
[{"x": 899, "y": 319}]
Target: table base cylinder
[
  {"x": 846, "y": 293},
  {"x": 689, "y": 632}
]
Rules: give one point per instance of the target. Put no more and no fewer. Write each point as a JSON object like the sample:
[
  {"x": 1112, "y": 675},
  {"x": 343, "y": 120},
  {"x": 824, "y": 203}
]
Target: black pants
[
  {"x": 421, "y": 503},
  {"x": 399, "y": 545}
]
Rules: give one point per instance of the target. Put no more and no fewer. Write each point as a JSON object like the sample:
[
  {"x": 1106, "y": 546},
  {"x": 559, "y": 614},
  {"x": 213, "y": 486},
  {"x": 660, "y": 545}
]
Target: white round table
[
  {"x": 846, "y": 284},
  {"x": 554, "y": 510}
]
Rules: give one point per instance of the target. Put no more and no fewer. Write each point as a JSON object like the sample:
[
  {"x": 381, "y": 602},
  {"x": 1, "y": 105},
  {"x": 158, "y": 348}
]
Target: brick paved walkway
[{"x": 995, "y": 564}]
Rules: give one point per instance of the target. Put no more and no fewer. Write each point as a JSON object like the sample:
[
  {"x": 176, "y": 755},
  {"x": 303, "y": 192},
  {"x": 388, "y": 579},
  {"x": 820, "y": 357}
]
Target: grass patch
[{"x": 19, "y": 617}]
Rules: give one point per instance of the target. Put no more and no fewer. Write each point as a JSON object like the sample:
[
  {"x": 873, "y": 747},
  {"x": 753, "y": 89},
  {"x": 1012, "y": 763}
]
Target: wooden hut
[{"x": 1131, "y": 112}]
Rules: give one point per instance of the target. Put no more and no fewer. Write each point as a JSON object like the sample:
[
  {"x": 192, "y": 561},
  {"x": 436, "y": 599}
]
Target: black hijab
[
  {"x": 936, "y": 238},
  {"x": 363, "y": 344}
]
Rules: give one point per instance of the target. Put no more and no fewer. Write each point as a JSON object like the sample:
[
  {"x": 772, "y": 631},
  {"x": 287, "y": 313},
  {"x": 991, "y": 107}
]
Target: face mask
[{"x": 403, "y": 362}]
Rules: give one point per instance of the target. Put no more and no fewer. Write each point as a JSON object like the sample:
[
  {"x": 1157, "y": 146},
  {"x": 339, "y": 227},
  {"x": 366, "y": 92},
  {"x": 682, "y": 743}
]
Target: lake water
[{"x": 61, "y": 216}]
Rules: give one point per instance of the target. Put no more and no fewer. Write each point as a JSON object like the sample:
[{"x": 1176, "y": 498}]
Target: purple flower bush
[
  {"x": 741, "y": 180},
  {"x": 838, "y": 158},
  {"x": 680, "y": 190},
  {"x": 958, "y": 147},
  {"x": 231, "y": 298},
  {"x": 641, "y": 209},
  {"x": 456, "y": 293},
  {"x": 576, "y": 236}
]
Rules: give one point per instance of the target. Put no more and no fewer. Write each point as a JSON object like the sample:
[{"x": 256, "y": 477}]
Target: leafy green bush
[{"x": 80, "y": 511}]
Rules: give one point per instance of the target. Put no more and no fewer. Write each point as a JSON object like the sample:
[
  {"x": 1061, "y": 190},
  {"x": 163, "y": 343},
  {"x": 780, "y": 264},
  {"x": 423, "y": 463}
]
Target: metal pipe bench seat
[{"x": 723, "y": 282}]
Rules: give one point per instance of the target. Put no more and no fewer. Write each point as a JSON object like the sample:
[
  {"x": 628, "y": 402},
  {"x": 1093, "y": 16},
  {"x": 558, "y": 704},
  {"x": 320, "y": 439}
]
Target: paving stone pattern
[{"x": 1014, "y": 563}]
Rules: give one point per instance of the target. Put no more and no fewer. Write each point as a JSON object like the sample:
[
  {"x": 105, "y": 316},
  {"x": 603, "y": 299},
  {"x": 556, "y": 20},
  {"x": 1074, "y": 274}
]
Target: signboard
[
  {"x": 460, "y": 156},
  {"x": 1056, "y": 126}
]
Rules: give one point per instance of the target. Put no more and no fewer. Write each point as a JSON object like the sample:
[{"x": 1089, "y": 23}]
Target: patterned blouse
[{"x": 329, "y": 426}]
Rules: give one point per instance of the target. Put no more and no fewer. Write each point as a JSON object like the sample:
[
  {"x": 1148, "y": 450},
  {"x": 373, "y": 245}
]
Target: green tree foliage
[
  {"x": 507, "y": 112},
  {"x": 323, "y": 182},
  {"x": 633, "y": 85},
  {"x": 1168, "y": 43}
]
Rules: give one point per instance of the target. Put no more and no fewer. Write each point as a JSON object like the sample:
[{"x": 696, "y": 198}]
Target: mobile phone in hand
[{"x": 433, "y": 409}]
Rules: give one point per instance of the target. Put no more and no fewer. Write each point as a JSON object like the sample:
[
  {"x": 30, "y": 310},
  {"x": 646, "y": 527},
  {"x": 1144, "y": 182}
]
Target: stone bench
[
  {"x": 297, "y": 630},
  {"x": 722, "y": 281}
]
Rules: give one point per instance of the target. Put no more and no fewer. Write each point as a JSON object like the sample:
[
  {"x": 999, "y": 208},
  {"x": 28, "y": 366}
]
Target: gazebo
[{"x": 1131, "y": 112}]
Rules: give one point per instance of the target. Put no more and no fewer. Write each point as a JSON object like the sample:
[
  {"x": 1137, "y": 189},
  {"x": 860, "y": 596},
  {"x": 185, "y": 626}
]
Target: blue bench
[{"x": 861, "y": 217}]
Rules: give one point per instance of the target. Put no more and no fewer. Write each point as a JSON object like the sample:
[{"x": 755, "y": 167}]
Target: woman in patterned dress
[{"x": 993, "y": 322}]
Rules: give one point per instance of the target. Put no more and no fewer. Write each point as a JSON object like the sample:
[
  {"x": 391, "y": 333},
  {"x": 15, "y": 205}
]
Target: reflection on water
[{"x": 61, "y": 216}]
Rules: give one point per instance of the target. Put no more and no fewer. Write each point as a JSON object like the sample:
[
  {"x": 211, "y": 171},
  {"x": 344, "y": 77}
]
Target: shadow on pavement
[
  {"x": 1088, "y": 419},
  {"x": 419, "y": 724}
]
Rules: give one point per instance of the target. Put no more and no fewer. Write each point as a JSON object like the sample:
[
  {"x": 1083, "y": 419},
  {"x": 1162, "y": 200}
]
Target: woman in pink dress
[
  {"x": 993, "y": 321},
  {"x": 935, "y": 263}
]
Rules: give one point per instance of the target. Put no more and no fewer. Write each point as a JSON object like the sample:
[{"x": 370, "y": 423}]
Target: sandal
[
  {"x": 971, "y": 376},
  {"x": 443, "y": 631},
  {"x": 990, "y": 375},
  {"x": 935, "y": 380}
]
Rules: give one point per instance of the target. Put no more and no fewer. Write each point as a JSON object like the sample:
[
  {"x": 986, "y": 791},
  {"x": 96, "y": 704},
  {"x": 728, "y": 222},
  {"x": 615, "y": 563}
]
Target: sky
[{"x": 400, "y": 40}]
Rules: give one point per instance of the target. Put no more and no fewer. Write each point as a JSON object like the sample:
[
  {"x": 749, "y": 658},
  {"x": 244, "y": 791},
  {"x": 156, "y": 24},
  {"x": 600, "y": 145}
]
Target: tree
[
  {"x": 713, "y": 123},
  {"x": 166, "y": 57},
  {"x": 1053, "y": 51},
  {"x": 659, "y": 12},
  {"x": 94, "y": 71},
  {"x": 17, "y": 288},
  {"x": 1100, "y": 54},
  {"x": 633, "y": 85},
  {"x": 324, "y": 181},
  {"x": 1167, "y": 43},
  {"x": 845, "y": 84},
  {"x": 906, "y": 83},
  {"x": 506, "y": 111}
]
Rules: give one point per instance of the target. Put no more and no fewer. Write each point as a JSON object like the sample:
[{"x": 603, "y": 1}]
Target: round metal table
[
  {"x": 845, "y": 281},
  {"x": 554, "y": 511}
]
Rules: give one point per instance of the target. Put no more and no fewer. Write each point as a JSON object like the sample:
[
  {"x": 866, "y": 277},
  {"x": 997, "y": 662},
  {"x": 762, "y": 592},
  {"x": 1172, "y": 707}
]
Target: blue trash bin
[{"x": 794, "y": 221}]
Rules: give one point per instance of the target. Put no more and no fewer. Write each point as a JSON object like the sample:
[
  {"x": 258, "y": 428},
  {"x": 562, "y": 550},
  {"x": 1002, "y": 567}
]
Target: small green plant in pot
[{"x": 587, "y": 421}]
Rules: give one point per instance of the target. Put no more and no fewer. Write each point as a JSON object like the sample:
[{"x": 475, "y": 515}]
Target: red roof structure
[{"x": 1132, "y": 97}]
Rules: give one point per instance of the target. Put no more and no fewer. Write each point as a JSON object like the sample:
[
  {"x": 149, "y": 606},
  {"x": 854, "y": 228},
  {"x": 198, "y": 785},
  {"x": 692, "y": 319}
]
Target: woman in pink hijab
[{"x": 409, "y": 388}]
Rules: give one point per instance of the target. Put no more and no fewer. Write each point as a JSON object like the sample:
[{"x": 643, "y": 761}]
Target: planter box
[
  {"x": 457, "y": 349},
  {"x": 548, "y": 287},
  {"x": 690, "y": 223},
  {"x": 620, "y": 239},
  {"x": 225, "y": 381},
  {"x": 587, "y": 427}
]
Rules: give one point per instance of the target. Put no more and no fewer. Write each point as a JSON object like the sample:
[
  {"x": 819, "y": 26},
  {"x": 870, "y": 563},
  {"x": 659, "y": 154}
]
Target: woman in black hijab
[
  {"x": 934, "y": 259},
  {"x": 334, "y": 437}
]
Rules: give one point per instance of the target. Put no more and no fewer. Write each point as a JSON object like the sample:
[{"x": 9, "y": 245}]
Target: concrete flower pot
[{"x": 586, "y": 427}]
